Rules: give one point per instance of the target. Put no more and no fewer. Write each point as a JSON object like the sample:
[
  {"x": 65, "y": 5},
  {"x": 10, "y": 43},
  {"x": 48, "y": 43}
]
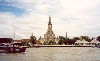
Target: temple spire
[
  {"x": 49, "y": 37},
  {"x": 49, "y": 20},
  {"x": 66, "y": 34}
]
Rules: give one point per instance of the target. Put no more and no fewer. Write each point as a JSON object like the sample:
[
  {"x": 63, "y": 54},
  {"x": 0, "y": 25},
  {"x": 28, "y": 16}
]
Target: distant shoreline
[{"x": 62, "y": 46}]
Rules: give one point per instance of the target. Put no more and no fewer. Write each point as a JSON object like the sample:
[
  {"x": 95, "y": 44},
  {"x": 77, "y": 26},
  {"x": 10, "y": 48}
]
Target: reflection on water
[{"x": 54, "y": 54}]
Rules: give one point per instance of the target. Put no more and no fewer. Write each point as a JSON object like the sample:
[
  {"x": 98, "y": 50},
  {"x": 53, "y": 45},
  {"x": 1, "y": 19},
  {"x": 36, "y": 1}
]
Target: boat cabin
[{"x": 6, "y": 40}]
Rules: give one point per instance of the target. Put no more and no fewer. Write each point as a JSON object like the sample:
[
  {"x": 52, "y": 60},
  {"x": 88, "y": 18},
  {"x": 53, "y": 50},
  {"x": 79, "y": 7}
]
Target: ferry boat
[{"x": 8, "y": 45}]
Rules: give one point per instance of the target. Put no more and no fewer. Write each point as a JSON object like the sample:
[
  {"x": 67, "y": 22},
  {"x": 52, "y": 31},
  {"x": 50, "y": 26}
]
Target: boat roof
[
  {"x": 16, "y": 43},
  {"x": 6, "y": 40}
]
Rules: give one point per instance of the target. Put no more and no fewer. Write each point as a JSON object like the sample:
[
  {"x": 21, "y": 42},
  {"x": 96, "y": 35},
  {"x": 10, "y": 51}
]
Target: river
[{"x": 54, "y": 54}]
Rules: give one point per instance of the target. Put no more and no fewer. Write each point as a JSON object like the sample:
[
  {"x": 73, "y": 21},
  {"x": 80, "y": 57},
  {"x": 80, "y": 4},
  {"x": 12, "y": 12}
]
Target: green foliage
[
  {"x": 85, "y": 38},
  {"x": 76, "y": 38},
  {"x": 33, "y": 39},
  {"x": 62, "y": 40}
]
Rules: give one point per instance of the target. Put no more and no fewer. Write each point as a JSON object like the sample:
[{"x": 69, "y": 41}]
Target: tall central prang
[{"x": 49, "y": 37}]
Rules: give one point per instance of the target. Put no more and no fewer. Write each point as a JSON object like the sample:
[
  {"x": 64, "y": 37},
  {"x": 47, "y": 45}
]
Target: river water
[{"x": 54, "y": 54}]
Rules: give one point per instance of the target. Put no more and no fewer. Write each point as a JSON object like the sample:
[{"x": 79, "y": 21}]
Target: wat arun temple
[{"x": 49, "y": 37}]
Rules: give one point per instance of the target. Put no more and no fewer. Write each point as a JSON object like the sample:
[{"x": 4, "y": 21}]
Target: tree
[
  {"x": 66, "y": 41},
  {"x": 62, "y": 40},
  {"x": 71, "y": 41},
  {"x": 86, "y": 38},
  {"x": 32, "y": 39},
  {"x": 76, "y": 38},
  {"x": 98, "y": 38}
]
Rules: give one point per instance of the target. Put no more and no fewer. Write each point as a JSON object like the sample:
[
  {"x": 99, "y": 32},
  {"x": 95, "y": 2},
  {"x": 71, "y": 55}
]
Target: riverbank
[{"x": 62, "y": 46}]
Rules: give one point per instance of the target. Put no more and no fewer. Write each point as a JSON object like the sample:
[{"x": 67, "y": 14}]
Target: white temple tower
[{"x": 49, "y": 37}]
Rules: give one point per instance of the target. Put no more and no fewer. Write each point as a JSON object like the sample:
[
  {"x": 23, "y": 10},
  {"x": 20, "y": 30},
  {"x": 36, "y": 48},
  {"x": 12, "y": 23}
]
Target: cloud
[
  {"x": 77, "y": 17},
  {"x": 23, "y": 26}
]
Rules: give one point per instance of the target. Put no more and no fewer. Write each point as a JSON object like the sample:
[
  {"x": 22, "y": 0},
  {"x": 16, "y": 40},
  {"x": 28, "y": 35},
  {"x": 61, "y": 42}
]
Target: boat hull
[{"x": 12, "y": 49}]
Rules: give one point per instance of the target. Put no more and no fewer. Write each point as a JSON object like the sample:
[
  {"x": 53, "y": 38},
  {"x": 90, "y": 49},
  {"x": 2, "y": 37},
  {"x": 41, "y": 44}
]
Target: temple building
[{"x": 49, "y": 37}]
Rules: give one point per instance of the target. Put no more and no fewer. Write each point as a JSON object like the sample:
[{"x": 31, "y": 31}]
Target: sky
[{"x": 24, "y": 17}]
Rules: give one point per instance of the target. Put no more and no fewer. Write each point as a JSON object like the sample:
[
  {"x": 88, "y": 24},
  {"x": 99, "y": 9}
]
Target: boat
[{"x": 9, "y": 46}]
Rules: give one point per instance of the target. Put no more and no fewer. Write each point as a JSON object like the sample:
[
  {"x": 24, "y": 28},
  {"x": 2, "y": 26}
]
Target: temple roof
[{"x": 49, "y": 21}]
